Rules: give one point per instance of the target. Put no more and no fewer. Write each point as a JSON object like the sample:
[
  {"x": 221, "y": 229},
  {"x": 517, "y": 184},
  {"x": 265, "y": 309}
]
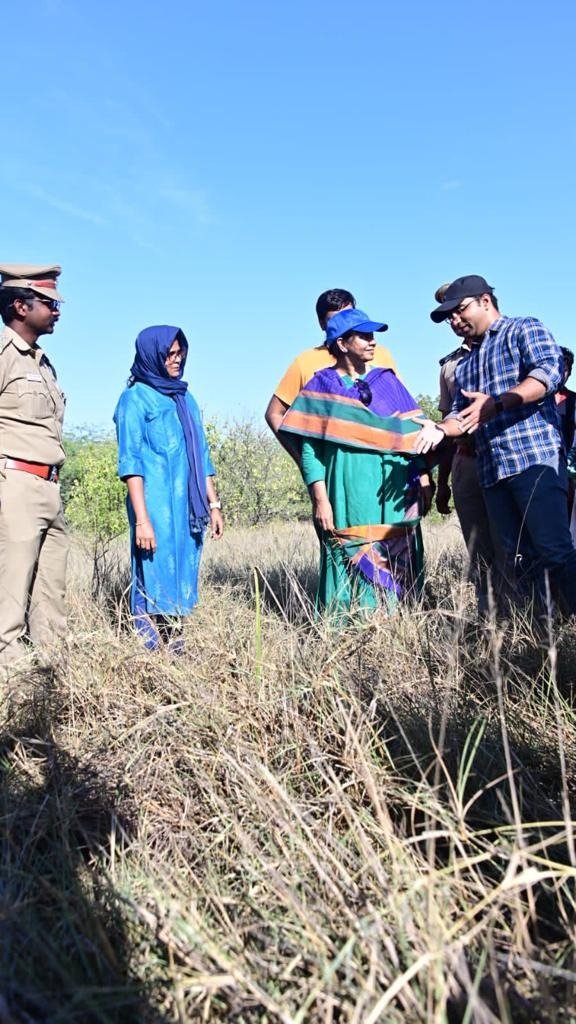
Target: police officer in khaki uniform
[{"x": 33, "y": 535}]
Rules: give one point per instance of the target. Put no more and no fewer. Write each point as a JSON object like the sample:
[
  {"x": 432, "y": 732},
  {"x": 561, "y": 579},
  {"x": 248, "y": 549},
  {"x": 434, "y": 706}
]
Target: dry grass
[{"x": 291, "y": 824}]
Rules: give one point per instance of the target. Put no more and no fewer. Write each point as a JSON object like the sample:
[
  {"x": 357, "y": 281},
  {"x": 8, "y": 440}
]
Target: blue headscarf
[{"x": 152, "y": 345}]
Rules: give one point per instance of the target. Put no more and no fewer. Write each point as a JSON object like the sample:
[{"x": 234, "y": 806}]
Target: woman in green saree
[{"x": 368, "y": 487}]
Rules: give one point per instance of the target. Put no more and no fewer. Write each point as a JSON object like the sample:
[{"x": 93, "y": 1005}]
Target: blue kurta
[{"x": 151, "y": 445}]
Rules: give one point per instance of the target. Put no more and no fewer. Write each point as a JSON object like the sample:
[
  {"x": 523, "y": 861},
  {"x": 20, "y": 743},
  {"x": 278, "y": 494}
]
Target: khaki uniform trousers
[
  {"x": 478, "y": 535},
  {"x": 33, "y": 556}
]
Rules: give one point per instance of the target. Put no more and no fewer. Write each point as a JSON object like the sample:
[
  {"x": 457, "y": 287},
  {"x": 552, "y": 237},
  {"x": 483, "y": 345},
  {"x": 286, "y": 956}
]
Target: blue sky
[{"x": 217, "y": 166}]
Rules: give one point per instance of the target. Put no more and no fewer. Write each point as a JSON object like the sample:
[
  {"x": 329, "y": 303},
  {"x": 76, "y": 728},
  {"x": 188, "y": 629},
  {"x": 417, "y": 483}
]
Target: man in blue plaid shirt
[{"x": 505, "y": 397}]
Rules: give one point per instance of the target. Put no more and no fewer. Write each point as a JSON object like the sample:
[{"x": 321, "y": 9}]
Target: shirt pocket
[
  {"x": 163, "y": 431},
  {"x": 28, "y": 401}
]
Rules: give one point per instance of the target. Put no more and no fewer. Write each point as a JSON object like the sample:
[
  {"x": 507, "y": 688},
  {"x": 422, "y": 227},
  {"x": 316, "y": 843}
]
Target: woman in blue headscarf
[{"x": 164, "y": 459}]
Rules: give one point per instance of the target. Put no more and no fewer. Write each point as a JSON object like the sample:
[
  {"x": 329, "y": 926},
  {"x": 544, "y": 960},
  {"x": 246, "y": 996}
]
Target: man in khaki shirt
[{"x": 33, "y": 535}]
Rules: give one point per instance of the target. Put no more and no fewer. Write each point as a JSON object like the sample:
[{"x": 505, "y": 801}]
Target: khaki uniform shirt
[
  {"x": 448, "y": 377},
  {"x": 448, "y": 367},
  {"x": 31, "y": 403}
]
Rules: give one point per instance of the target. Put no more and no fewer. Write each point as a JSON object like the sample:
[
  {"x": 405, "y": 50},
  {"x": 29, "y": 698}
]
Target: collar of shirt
[
  {"x": 458, "y": 354},
  {"x": 496, "y": 325},
  {"x": 493, "y": 329},
  {"x": 18, "y": 341}
]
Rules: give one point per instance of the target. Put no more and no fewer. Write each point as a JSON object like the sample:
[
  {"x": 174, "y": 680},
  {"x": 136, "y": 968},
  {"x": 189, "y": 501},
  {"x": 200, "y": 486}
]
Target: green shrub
[
  {"x": 429, "y": 407},
  {"x": 257, "y": 480},
  {"x": 95, "y": 496}
]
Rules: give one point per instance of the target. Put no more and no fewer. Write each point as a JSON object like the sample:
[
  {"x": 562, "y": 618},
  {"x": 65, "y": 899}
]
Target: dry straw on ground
[{"x": 291, "y": 823}]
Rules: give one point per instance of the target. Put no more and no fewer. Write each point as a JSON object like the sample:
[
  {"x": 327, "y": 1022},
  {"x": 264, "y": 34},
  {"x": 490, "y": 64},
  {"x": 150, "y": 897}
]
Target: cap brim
[
  {"x": 441, "y": 312},
  {"x": 51, "y": 293},
  {"x": 368, "y": 327}
]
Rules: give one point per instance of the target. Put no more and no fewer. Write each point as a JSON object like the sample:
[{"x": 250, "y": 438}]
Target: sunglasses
[
  {"x": 53, "y": 304},
  {"x": 364, "y": 391}
]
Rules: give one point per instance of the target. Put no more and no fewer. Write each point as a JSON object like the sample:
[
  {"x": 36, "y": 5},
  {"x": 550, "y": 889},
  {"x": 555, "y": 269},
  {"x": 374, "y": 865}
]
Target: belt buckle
[{"x": 53, "y": 474}]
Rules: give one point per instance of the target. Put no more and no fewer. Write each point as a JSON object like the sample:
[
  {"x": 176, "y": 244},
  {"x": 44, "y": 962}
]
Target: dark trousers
[{"x": 528, "y": 513}]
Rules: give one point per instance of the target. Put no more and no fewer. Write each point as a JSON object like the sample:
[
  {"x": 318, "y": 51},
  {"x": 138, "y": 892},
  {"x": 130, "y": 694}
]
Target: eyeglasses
[
  {"x": 53, "y": 304},
  {"x": 364, "y": 391},
  {"x": 174, "y": 356},
  {"x": 459, "y": 311}
]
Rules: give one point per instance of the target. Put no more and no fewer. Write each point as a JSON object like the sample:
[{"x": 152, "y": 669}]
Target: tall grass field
[{"x": 292, "y": 823}]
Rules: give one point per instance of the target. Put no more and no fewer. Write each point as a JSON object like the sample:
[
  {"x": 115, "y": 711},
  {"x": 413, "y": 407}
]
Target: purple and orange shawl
[{"x": 328, "y": 410}]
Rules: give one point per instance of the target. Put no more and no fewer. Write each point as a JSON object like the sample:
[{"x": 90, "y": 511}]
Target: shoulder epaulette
[
  {"x": 452, "y": 355},
  {"x": 4, "y": 341}
]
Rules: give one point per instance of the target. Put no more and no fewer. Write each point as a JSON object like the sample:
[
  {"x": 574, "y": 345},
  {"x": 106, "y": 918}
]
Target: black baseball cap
[{"x": 462, "y": 288}]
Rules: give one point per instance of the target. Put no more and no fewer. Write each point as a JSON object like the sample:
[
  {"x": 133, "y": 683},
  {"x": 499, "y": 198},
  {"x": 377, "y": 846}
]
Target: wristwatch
[{"x": 215, "y": 504}]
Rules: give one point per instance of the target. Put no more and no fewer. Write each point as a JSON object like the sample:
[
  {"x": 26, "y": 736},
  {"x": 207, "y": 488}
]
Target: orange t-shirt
[{"x": 307, "y": 363}]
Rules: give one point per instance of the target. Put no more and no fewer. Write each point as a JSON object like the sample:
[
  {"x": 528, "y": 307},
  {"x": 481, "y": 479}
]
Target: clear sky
[{"x": 216, "y": 166}]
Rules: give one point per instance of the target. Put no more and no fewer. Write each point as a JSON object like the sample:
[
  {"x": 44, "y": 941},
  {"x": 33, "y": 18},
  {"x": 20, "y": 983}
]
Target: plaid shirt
[{"x": 511, "y": 350}]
